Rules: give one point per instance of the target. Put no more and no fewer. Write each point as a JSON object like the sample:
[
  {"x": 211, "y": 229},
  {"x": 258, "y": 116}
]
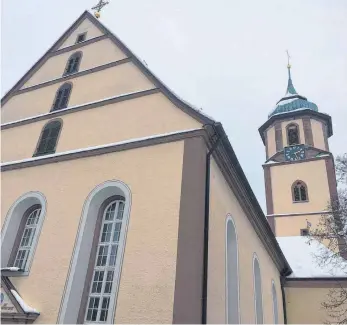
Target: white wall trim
[
  {"x": 230, "y": 218},
  {"x": 273, "y": 287},
  {"x": 255, "y": 257},
  {"x": 10, "y": 228},
  {"x": 62, "y": 315}
]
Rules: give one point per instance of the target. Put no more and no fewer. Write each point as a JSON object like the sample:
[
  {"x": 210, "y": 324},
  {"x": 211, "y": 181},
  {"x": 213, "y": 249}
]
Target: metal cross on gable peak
[{"x": 98, "y": 7}]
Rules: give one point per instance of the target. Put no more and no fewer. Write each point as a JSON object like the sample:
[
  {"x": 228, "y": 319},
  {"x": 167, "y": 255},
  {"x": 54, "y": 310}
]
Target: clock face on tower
[{"x": 296, "y": 152}]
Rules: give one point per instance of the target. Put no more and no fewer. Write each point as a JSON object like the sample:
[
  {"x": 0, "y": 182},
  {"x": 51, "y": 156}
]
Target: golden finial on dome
[
  {"x": 98, "y": 7},
  {"x": 288, "y": 56}
]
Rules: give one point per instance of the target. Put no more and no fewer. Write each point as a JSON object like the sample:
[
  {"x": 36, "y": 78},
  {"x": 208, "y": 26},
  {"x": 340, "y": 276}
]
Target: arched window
[
  {"x": 30, "y": 221},
  {"x": 21, "y": 231},
  {"x": 90, "y": 294},
  {"x": 299, "y": 192},
  {"x": 258, "y": 296},
  {"x": 73, "y": 63},
  {"x": 105, "y": 262},
  {"x": 274, "y": 303},
  {"x": 48, "y": 139},
  {"x": 293, "y": 134},
  {"x": 232, "y": 274},
  {"x": 62, "y": 97}
]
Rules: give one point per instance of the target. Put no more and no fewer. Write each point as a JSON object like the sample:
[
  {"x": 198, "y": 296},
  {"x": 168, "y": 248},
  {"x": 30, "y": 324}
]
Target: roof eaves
[
  {"x": 262, "y": 227},
  {"x": 189, "y": 109}
]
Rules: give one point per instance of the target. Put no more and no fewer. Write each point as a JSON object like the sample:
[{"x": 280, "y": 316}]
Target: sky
[{"x": 227, "y": 57}]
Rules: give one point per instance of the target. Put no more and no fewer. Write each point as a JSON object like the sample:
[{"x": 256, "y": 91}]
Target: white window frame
[
  {"x": 257, "y": 321},
  {"x": 107, "y": 268},
  {"x": 32, "y": 227},
  {"x": 12, "y": 226}
]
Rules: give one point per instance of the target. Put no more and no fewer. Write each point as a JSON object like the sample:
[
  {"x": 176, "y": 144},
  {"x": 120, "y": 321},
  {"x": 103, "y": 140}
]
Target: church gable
[{"x": 86, "y": 30}]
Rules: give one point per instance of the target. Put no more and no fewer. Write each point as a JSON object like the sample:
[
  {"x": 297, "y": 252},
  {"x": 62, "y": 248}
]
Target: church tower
[{"x": 299, "y": 169}]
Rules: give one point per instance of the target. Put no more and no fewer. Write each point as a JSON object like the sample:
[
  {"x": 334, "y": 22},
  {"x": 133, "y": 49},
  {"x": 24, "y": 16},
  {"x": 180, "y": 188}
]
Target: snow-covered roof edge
[
  {"x": 113, "y": 144},
  {"x": 26, "y": 308}
]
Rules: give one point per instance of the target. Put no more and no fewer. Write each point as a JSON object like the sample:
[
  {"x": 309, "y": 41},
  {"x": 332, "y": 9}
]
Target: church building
[{"x": 122, "y": 203}]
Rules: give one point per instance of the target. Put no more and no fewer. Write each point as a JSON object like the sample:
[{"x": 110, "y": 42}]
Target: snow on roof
[
  {"x": 10, "y": 268},
  {"x": 64, "y": 153},
  {"x": 301, "y": 258},
  {"x": 25, "y": 307}
]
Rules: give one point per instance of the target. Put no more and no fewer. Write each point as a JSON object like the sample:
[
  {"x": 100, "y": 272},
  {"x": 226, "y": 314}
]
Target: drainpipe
[
  {"x": 206, "y": 223},
  {"x": 283, "y": 280}
]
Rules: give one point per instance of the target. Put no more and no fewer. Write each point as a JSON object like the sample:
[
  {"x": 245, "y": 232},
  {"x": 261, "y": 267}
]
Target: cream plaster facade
[
  {"x": 94, "y": 55},
  {"x": 150, "y": 115},
  {"x": 224, "y": 202},
  {"x": 148, "y": 274},
  {"x": 86, "y": 26},
  {"x": 88, "y": 88},
  {"x": 304, "y": 305}
]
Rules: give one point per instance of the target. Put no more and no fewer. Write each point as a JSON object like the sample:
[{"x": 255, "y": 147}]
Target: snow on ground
[{"x": 301, "y": 258}]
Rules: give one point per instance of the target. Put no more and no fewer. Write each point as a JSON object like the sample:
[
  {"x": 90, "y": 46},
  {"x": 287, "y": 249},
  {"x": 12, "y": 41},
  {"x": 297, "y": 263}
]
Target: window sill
[
  {"x": 301, "y": 201},
  {"x": 14, "y": 273},
  {"x": 43, "y": 154}
]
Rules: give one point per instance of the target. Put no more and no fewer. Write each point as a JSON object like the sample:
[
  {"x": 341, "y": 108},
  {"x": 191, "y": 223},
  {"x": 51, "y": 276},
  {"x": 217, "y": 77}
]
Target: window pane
[
  {"x": 109, "y": 280},
  {"x": 106, "y": 232},
  {"x": 102, "y": 256},
  {"x": 97, "y": 281},
  {"x": 303, "y": 193},
  {"x": 113, "y": 255},
  {"x": 296, "y": 194},
  {"x": 104, "y": 309},
  {"x": 116, "y": 233},
  {"x": 120, "y": 211}
]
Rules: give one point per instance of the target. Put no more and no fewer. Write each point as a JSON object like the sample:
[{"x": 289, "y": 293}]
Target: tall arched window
[
  {"x": 258, "y": 296},
  {"x": 105, "y": 262},
  {"x": 293, "y": 134},
  {"x": 73, "y": 63},
  {"x": 232, "y": 274},
  {"x": 22, "y": 251},
  {"x": 90, "y": 294},
  {"x": 21, "y": 230},
  {"x": 62, "y": 97},
  {"x": 299, "y": 191},
  {"x": 48, "y": 139},
  {"x": 274, "y": 303}
]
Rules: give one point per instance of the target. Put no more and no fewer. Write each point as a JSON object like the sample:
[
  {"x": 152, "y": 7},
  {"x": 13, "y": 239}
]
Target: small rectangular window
[
  {"x": 304, "y": 232},
  {"x": 81, "y": 38}
]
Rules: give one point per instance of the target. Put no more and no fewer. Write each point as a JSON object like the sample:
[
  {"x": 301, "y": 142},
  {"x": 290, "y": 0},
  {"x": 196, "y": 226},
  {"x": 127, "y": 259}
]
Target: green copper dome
[{"x": 292, "y": 101}]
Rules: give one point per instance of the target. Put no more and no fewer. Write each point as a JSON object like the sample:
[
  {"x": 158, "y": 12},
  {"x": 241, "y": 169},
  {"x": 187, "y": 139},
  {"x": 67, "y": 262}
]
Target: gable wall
[
  {"x": 85, "y": 26},
  {"x": 139, "y": 117},
  {"x": 93, "y": 55},
  {"x": 223, "y": 202},
  {"x": 121, "y": 79}
]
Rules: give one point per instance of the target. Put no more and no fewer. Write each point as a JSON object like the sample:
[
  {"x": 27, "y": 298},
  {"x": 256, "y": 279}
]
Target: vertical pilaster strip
[
  {"x": 278, "y": 136},
  {"x": 325, "y": 135},
  {"x": 308, "y": 131},
  {"x": 187, "y": 307},
  {"x": 269, "y": 198},
  {"x": 266, "y": 144}
]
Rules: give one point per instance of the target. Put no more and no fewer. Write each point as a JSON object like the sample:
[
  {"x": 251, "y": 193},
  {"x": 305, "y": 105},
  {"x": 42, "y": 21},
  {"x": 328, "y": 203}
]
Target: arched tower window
[
  {"x": 258, "y": 296},
  {"x": 48, "y": 139},
  {"x": 62, "y": 97},
  {"x": 73, "y": 63},
  {"x": 274, "y": 303},
  {"x": 293, "y": 134},
  {"x": 299, "y": 191},
  {"x": 232, "y": 273}
]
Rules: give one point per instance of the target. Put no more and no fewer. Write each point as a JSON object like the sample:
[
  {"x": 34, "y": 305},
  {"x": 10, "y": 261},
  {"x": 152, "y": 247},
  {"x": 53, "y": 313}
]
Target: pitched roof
[{"x": 183, "y": 105}]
